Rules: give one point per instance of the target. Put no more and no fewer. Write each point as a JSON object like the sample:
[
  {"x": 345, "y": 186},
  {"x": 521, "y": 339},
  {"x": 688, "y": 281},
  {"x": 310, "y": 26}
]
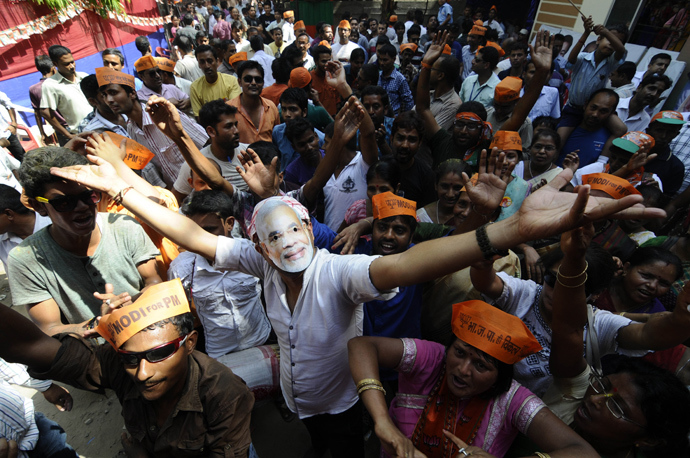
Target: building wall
[{"x": 560, "y": 13}]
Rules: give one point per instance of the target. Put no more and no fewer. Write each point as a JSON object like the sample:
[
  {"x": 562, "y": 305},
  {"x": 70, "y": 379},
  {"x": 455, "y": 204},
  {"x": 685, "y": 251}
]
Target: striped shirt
[
  {"x": 588, "y": 76},
  {"x": 680, "y": 147},
  {"x": 168, "y": 157}
]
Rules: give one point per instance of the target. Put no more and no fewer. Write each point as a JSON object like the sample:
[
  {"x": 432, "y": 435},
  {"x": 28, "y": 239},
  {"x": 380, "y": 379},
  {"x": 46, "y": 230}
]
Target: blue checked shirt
[
  {"x": 398, "y": 91},
  {"x": 589, "y": 77},
  {"x": 680, "y": 147}
]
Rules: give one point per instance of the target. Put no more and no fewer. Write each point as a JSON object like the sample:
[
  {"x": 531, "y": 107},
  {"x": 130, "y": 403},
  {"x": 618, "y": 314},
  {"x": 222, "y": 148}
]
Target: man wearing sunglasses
[
  {"x": 176, "y": 402},
  {"x": 150, "y": 74},
  {"x": 256, "y": 116},
  {"x": 56, "y": 271}
]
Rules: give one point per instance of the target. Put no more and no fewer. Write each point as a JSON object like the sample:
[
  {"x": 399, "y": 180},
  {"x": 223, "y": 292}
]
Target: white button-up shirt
[
  {"x": 314, "y": 372},
  {"x": 637, "y": 122}
]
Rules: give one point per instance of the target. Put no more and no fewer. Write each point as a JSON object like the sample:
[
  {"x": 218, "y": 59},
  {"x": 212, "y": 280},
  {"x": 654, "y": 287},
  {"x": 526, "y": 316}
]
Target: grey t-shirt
[
  {"x": 39, "y": 269},
  {"x": 227, "y": 169}
]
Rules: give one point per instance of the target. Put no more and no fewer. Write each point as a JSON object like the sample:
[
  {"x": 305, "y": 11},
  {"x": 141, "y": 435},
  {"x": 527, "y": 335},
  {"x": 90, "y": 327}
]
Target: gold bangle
[
  {"x": 576, "y": 276},
  {"x": 622, "y": 314},
  {"x": 542, "y": 455},
  {"x": 569, "y": 286},
  {"x": 368, "y": 381},
  {"x": 121, "y": 195},
  {"x": 371, "y": 387}
]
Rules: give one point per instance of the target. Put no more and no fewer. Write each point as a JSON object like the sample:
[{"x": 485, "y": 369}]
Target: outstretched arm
[
  {"x": 101, "y": 176},
  {"x": 541, "y": 53},
  {"x": 22, "y": 342},
  {"x": 423, "y": 98},
  {"x": 545, "y": 213},
  {"x": 588, "y": 24},
  {"x": 618, "y": 45}
]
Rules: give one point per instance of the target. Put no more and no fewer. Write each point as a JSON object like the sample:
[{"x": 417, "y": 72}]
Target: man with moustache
[
  {"x": 150, "y": 74},
  {"x": 213, "y": 85},
  {"x": 632, "y": 111}
]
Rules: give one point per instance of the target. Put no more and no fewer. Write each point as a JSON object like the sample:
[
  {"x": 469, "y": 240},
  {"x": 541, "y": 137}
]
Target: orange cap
[
  {"x": 144, "y": 63},
  {"x": 478, "y": 30},
  {"x": 344, "y": 24},
  {"x": 493, "y": 44},
  {"x": 288, "y": 14},
  {"x": 299, "y": 77},
  {"x": 299, "y": 25},
  {"x": 393, "y": 18},
  {"x": 493, "y": 331},
  {"x": 479, "y": 23},
  {"x": 506, "y": 140},
  {"x": 157, "y": 303},
  {"x": 106, "y": 75},
  {"x": 493, "y": 7},
  {"x": 237, "y": 57},
  {"x": 388, "y": 204},
  {"x": 612, "y": 185},
  {"x": 165, "y": 64},
  {"x": 447, "y": 49},
  {"x": 411, "y": 46},
  {"x": 643, "y": 140},
  {"x": 508, "y": 89},
  {"x": 668, "y": 117},
  {"x": 325, "y": 43}
]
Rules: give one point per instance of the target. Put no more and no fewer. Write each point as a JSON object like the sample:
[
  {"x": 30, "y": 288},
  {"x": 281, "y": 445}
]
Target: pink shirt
[{"x": 420, "y": 367}]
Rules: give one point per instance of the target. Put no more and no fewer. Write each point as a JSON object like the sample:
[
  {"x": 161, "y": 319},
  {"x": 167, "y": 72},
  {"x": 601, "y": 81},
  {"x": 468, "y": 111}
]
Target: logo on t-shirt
[{"x": 348, "y": 186}]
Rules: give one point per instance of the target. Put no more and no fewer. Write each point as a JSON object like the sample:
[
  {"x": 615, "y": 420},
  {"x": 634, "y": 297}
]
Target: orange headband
[
  {"x": 105, "y": 76},
  {"x": 468, "y": 116},
  {"x": 144, "y": 63},
  {"x": 388, "y": 204},
  {"x": 612, "y": 185},
  {"x": 506, "y": 140},
  {"x": 493, "y": 331},
  {"x": 157, "y": 303}
]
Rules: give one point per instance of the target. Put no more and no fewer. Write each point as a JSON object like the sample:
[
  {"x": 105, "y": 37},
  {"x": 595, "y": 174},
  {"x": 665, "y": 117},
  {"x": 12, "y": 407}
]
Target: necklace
[{"x": 532, "y": 173}]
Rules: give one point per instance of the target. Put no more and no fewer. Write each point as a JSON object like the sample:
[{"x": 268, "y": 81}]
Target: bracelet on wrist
[
  {"x": 574, "y": 276},
  {"x": 121, "y": 195},
  {"x": 487, "y": 249},
  {"x": 425, "y": 65}
]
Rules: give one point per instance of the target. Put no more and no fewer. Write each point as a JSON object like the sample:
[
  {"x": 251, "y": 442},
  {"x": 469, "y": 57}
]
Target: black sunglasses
[
  {"x": 154, "y": 355},
  {"x": 68, "y": 203},
  {"x": 249, "y": 78}
]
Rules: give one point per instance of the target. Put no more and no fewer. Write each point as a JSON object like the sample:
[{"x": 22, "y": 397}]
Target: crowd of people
[{"x": 430, "y": 228}]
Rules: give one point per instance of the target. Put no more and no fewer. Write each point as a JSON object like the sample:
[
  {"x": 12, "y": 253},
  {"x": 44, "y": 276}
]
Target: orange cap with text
[
  {"x": 144, "y": 63},
  {"x": 388, "y": 204},
  {"x": 508, "y": 89},
  {"x": 106, "y": 75},
  {"x": 158, "y": 302},
  {"x": 288, "y": 14},
  {"x": 506, "y": 140},
  {"x": 299, "y": 25},
  {"x": 612, "y": 185},
  {"x": 165, "y": 64},
  {"x": 493, "y": 331},
  {"x": 477, "y": 30},
  {"x": 668, "y": 117},
  {"x": 642, "y": 139}
]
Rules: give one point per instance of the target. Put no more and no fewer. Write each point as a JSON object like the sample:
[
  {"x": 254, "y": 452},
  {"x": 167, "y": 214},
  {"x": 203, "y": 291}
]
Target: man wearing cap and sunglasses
[
  {"x": 664, "y": 127},
  {"x": 150, "y": 74},
  {"x": 176, "y": 402}
]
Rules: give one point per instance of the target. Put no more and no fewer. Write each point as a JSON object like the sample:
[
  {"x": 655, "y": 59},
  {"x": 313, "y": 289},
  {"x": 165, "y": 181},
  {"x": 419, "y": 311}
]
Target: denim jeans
[{"x": 52, "y": 440}]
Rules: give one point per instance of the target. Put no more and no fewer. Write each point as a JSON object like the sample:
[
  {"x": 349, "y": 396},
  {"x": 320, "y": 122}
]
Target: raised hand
[
  {"x": 588, "y": 24},
  {"x": 349, "y": 119},
  {"x": 574, "y": 243},
  {"x": 104, "y": 147},
  {"x": 165, "y": 116},
  {"x": 263, "y": 181},
  {"x": 436, "y": 49},
  {"x": 572, "y": 161},
  {"x": 100, "y": 176},
  {"x": 639, "y": 159},
  {"x": 542, "y": 51},
  {"x": 486, "y": 194},
  {"x": 335, "y": 73}
]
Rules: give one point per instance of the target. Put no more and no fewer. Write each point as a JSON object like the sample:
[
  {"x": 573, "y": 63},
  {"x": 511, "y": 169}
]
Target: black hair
[
  {"x": 655, "y": 78},
  {"x": 184, "y": 324},
  {"x": 647, "y": 255},
  {"x": 407, "y": 220},
  {"x": 206, "y": 48},
  {"x": 43, "y": 64},
  {"x": 651, "y": 193},
  {"x": 559, "y": 36},
  {"x": 454, "y": 166},
  {"x": 330, "y": 129},
  {"x": 548, "y": 121},
  {"x": 382, "y": 40},
  {"x": 208, "y": 201},
  {"x": 386, "y": 169},
  {"x": 11, "y": 199},
  {"x": 187, "y": 19},
  {"x": 620, "y": 28},
  {"x": 504, "y": 377},
  {"x": 473, "y": 107},
  {"x": 408, "y": 120},
  {"x": 388, "y": 50},
  {"x": 252, "y": 30},
  {"x": 450, "y": 66},
  {"x": 266, "y": 151},
  {"x": 297, "y": 127},
  {"x": 184, "y": 43},
  {"x": 256, "y": 43},
  {"x": 89, "y": 87},
  {"x": 57, "y": 51},
  {"x": 370, "y": 72},
  {"x": 114, "y": 52},
  {"x": 201, "y": 34},
  {"x": 399, "y": 25},
  {"x": 34, "y": 173},
  {"x": 414, "y": 30},
  {"x": 217, "y": 15},
  {"x": 600, "y": 267},
  {"x": 297, "y": 96},
  {"x": 548, "y": 133},
  {"x": 357, "y": 54},
  {"x": 376, "y": 90},
  {"x": 489, "y": 35},
  {"x": 281, "y": 68},
  {"x": 521, "y": 46},
  {"x": 249, "y": 65},
  {"x": 627, "y": 69},
  {"x": 290, "y": 53},
  {"x": 210, "y": 113},
  {"x": 418, "y": 16},
  {"x": 607, "y": 91},
  {"x": 664, "y": 401},
  {"x": 661, "y": 55},
  {"x": 142, "y": 43},
  {"x": 320, "y": 49},
  {"x": 490, "y": 55}
]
